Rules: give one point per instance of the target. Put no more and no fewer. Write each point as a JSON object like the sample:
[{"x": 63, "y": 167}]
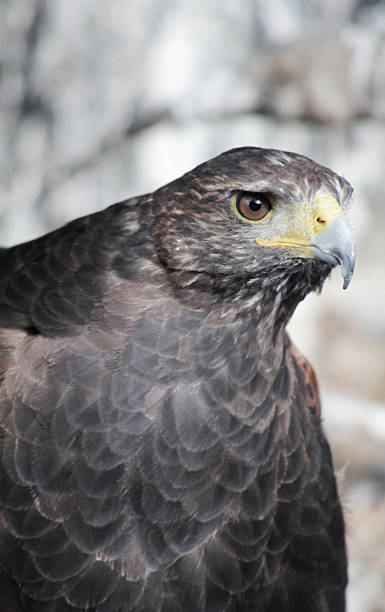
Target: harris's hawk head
[{"x": 258, "y": 218}]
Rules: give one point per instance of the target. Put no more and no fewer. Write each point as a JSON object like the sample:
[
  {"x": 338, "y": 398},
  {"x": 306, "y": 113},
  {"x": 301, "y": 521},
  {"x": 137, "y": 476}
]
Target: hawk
[{"x": 161, "y": 441}]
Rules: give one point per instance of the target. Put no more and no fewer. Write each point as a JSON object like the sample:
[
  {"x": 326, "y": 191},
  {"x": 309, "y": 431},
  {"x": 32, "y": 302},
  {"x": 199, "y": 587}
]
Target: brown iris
[{"x": 252, "y": 206}]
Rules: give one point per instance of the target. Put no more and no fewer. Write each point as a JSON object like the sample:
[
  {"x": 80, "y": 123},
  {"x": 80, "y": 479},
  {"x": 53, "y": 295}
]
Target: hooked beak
[{"x": 335, "y": 245}]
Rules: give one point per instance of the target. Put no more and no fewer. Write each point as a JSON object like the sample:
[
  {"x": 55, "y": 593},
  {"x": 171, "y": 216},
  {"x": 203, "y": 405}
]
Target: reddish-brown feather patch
[{"x": 312, "y": 391}]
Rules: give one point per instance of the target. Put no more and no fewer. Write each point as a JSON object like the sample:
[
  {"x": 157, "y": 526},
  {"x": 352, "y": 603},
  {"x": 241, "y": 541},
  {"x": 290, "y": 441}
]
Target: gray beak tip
[
  {"x": 347, "y": 265},
  {"x": 335, "y": 245},
  {"x": 346, "y": 282}
]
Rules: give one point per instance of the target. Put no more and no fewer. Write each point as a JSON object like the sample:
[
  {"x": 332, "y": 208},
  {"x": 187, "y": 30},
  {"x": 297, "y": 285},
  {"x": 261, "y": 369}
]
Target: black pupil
[{"x": 255, "y": 205}]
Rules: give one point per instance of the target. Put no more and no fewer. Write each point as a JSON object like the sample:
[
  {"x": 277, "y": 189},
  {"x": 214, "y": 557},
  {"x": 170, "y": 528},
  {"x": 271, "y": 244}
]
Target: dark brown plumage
[{"x": 161, "y": 445}]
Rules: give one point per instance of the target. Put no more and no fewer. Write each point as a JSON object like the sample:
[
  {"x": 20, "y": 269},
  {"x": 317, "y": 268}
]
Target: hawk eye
[{"x": 251, "y": 206}]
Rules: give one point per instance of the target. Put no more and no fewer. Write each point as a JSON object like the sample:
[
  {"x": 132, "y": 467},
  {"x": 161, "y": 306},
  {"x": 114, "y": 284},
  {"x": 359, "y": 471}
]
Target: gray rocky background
[{"x": 100, "y": 100}]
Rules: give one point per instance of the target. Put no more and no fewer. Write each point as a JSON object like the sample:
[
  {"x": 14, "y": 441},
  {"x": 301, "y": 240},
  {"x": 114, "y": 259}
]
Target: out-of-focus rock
[{"x": 311, "y": 80}]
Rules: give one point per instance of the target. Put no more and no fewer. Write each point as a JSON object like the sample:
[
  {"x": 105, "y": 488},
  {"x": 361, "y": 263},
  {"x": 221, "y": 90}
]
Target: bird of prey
[{"x": 161, "y": 441}]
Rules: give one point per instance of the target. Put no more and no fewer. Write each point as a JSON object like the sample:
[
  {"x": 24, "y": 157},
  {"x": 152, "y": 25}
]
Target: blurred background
[{"x": 103, "y": 100}]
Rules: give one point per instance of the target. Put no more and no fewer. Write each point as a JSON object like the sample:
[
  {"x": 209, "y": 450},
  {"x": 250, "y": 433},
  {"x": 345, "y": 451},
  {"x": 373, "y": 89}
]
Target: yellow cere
[{"x": 326, "y": 210}]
